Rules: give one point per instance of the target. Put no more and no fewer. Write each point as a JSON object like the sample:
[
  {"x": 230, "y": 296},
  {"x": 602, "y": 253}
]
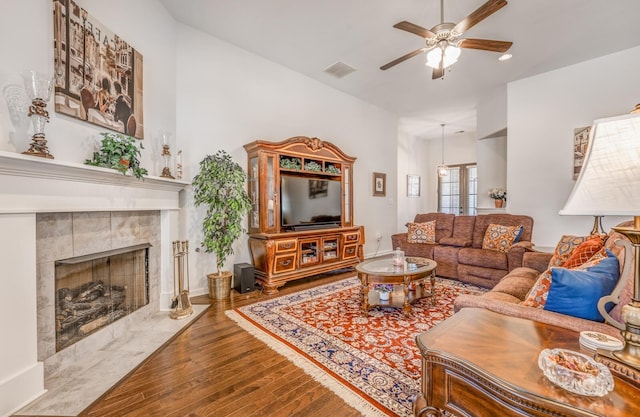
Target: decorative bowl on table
[{"x": 575, "y": 372}]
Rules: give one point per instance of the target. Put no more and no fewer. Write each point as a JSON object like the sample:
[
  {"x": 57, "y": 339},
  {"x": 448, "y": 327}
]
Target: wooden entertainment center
[{"x": 301, "y": 218}]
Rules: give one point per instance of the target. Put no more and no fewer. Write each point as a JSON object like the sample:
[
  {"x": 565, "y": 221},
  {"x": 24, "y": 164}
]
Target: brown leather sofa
[
  {"x": 458, "y": 248},
  {"x": 508, "y": 295}
]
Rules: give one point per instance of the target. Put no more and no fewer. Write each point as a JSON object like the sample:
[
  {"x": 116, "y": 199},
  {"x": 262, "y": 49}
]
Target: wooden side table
[{"x": 480, "y": 363}]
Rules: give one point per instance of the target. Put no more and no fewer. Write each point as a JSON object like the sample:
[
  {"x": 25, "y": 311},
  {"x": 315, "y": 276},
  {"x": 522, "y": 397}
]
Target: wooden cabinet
[{"x": 301, "y": 218}]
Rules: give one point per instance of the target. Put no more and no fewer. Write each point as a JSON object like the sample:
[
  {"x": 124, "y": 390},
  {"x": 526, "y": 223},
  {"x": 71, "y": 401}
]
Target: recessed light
[{"x": 505, "y": 57}]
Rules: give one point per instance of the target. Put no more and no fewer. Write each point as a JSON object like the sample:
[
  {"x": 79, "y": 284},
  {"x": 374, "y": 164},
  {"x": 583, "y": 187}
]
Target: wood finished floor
[{"x": 214, "y": 368}]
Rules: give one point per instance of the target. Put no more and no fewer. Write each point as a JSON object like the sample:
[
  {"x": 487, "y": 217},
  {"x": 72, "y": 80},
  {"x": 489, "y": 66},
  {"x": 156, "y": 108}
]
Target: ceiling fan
[{"x": 443, "y": 43}]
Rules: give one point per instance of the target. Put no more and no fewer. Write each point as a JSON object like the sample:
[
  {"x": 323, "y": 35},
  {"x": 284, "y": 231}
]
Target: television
[{"x": 307, "y": 203}]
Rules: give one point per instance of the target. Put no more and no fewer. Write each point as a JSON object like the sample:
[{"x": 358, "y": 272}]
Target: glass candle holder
[{"x": 38, "y": 88}]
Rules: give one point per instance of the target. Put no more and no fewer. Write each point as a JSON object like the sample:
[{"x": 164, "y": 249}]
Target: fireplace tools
[{"x": 180, "y": 303}]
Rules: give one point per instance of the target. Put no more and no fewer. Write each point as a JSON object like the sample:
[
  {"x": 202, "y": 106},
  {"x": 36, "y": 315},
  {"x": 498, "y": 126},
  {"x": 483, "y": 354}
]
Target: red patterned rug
[{"x": 371, "y": 361}]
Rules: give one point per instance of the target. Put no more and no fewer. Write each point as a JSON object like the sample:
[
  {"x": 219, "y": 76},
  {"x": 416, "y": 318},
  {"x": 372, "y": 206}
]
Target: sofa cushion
[
  {"x": 499, "y": 237},
  {"x": 584, "y": 252},
  {"x": 422, "y": 232},
  {"x": 565, "y": 247},
  {"x": 486, "y": 258},
  {"x": 576, "y": 292},
  {"x": 517, "y": 283}
]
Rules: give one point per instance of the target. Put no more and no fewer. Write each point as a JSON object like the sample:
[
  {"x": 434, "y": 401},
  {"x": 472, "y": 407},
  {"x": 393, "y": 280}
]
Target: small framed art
[{"x": 379, "y": 184}]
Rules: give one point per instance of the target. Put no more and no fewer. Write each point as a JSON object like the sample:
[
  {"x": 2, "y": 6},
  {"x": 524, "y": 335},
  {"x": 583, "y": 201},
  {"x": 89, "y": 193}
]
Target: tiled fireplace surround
[{"x": 52, "y": 210}]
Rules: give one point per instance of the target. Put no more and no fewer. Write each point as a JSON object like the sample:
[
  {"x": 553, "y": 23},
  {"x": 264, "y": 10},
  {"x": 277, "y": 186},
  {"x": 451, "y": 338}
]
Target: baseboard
[{"x": 20, "y": 389}]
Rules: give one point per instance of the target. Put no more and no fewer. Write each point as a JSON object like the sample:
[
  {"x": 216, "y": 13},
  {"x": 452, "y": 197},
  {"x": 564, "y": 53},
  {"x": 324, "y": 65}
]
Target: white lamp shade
[{"x": 609, "y": 182}]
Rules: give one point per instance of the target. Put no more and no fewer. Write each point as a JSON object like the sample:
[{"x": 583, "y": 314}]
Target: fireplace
[
  {"x": 53, "y": 210},
  {"x": 93, "y": 291}
]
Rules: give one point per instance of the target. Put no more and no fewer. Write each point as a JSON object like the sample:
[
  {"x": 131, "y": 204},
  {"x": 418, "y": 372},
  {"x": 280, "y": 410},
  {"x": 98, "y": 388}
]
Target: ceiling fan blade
[
  {"x": 402, "y": 58},
  {"x": 479, "y": 15},
  {"x": 486, "y": 45},
  {"x": 415, "y": 29}
]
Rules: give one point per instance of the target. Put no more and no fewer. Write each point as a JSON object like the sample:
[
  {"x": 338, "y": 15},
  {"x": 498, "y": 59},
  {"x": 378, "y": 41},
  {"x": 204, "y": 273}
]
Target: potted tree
[{"x": 220, "y": 186}]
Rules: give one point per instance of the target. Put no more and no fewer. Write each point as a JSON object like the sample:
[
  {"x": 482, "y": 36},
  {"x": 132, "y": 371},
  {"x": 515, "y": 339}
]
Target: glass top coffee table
[{"x": 408, "y": 281}]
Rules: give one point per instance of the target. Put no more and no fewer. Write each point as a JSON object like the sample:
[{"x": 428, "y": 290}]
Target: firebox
[{"x": 93, "y": 291}]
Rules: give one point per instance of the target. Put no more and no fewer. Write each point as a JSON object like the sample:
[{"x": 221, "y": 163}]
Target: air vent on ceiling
[{"x": 339, "y": 69}]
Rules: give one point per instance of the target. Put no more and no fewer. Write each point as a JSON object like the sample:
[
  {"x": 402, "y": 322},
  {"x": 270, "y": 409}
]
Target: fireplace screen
[{"x": 95, "y": 290}]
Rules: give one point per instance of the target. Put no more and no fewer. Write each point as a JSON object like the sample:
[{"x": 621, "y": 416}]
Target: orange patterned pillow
[
  {"x": 499, "y": 237},
  {"x": 422, "y": 232},
  {"x": 537, "y": 296},
  {"x": 565, "y": 247},
  {"x": 584, "y": 252}
]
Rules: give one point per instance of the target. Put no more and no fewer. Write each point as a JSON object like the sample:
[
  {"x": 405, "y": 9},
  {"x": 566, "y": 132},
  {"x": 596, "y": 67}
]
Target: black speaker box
[{"x": 243, "y": 278}]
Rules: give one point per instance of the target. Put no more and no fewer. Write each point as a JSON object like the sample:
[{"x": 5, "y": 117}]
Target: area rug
[{"x": 371, "y": 361}]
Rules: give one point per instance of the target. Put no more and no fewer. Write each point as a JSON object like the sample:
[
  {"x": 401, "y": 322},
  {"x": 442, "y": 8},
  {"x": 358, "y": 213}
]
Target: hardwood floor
[{"x": 214, "y": 368}]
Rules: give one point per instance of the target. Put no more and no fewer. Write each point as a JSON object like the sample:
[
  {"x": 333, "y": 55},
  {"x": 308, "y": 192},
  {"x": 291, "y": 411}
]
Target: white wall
[
  {"x": 228, "y": 97},
  {"x": 492, "y": 169},
  {"x": 26, "y": 42},
  {"x": 492, "y": 112},
  {"x": 412, "y": 152},
  {"x": 543, "y": 111}
]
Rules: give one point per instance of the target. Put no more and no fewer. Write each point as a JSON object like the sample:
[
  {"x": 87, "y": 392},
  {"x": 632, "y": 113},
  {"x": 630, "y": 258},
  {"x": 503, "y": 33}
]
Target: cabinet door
[
  {"x": 330, "y": 248},
  {"x": 309, "y": 253},
  {"x": 254, "y": 194},
  {"x": 271, "y": 213}
]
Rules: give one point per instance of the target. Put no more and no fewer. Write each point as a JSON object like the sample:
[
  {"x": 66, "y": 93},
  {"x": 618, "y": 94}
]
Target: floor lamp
[{"x": 609, "y": 184}]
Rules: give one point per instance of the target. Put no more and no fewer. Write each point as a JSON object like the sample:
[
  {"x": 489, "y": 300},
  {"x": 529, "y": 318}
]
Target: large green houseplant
[{"x": 220, "y": 187}]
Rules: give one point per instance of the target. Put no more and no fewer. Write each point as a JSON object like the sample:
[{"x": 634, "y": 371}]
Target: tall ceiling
[{"x": 309, "y": 36}]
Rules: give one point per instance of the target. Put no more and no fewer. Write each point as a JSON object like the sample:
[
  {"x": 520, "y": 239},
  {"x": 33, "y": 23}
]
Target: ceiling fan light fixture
[
  {"x": 505, "y": 57},
  {"x": 450, "y": 53}
]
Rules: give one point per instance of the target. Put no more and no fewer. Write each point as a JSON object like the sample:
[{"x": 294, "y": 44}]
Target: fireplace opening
[{"x": 93, "y": 291}]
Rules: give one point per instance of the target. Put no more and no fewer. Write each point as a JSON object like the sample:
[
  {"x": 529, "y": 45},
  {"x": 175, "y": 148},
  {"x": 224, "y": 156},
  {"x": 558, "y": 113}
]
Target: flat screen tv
[{"x": 309, "y": 203}]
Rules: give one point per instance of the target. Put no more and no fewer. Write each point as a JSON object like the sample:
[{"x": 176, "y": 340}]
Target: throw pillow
[
  {"x": 537, "y": 296},
  {"x": 422, "y": 232},
  {"x": 565, "y": 247},
  {"x": 576, "y": 292},
  {"x": 500, "y": 238},
  {"x": 584, "y": 252}
]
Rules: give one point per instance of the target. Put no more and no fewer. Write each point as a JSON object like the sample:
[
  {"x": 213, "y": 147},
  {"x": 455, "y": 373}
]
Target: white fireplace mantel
[{"x": 31, "y": 184}]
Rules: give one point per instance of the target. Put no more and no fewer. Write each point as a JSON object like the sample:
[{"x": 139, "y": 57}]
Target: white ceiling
[{"x": 309, "y": 36}]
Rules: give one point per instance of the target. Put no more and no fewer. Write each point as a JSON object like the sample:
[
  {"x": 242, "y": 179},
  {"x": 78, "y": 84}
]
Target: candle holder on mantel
[
  {"x": 38, "y": 87},
  {"x": 166, "y": 171}
]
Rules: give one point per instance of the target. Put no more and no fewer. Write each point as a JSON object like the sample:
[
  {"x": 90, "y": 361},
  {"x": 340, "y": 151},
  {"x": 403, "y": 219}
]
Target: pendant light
[{"x": 443, "y": 170}]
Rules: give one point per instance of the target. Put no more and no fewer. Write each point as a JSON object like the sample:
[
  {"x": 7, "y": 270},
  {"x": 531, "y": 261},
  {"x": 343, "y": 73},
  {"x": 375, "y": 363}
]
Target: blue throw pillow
[{"x": 576, "y": 292}]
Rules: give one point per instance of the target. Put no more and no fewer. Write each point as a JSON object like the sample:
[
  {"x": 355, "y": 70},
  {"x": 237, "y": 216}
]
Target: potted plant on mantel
[
  {"x": 118, "y": 151},
  {"x": 220, "y": 186}
]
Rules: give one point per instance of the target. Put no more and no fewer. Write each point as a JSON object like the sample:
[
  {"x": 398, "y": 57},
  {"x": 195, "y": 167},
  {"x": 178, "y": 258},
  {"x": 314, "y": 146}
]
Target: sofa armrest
[
  {"x": 537, "y": 260},
  {"x": 399, "y": 240},
  {"x": 535, "y": 314},
  {"x": 515, "y": 254}
]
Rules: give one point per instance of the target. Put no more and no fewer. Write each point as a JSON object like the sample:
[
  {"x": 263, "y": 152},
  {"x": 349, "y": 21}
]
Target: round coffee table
[{"x": 409, "y": 278}]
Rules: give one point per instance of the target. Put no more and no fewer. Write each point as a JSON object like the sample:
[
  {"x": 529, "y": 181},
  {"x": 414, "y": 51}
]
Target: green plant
[
  {"x": 119, "y": 152},
  {"x": 220, "y": 186}
]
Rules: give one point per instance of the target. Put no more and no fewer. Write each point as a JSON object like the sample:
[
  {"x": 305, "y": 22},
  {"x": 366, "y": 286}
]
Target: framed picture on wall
[
  {"x": 98, "y": 74},
  {"x": 379, "y": 184},
  {"x": 413, "y": 186},
  {"x": 580, "y": 146}
]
